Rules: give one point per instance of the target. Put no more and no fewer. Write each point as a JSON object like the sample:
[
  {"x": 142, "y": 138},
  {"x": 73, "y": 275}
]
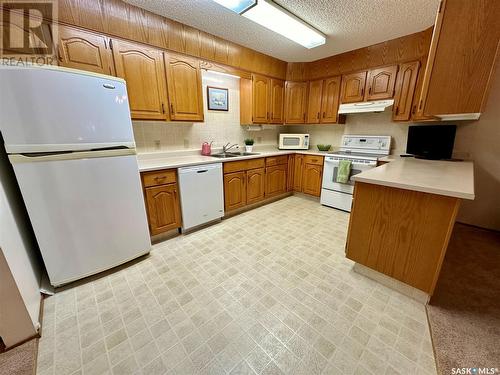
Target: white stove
[{"x": 363, "y": 151}]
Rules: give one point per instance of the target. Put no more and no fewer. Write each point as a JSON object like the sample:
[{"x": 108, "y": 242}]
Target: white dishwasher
[{"x": 202, "y": 194}]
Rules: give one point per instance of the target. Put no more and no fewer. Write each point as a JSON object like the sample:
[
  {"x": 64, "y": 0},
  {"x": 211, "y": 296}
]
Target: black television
[{"x": 431, "y": 141}]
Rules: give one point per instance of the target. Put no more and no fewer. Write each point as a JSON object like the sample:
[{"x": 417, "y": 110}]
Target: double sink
[{"x": 224, "y": 155}]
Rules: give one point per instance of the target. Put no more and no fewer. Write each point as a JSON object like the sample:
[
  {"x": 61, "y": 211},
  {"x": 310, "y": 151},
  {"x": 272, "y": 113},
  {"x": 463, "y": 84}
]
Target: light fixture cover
[
  {"x": 285, "y": 23},
  {"x": 237, "y": 6}
]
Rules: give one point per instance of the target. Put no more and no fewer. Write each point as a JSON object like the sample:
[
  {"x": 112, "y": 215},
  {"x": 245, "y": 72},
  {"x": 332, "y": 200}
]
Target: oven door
[{"x": 330, "y": 173}]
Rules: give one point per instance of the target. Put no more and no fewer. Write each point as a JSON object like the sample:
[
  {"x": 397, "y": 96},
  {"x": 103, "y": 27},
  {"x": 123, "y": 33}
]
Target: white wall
[
  {"x": 17, "y": 242},
  {"x": 480, "y": 140},
  {"x": 219, "y": 126}
]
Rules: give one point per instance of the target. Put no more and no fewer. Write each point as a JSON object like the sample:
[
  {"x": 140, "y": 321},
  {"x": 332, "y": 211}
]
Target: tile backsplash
[{"x": 219, "y": 126}]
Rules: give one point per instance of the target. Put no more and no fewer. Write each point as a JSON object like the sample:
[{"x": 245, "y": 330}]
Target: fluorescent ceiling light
[
  {"x": 279, "y": 20},
  {"x": 237, "y": 6}
]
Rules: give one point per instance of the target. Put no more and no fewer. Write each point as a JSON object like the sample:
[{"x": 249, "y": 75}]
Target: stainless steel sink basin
[
  {"x": 223, "y": 156},
  {"x": 233, "y": 154}
]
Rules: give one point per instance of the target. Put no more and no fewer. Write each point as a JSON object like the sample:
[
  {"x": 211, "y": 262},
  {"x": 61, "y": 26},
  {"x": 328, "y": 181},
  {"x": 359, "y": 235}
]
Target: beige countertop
[
  {"x": 177, "y": 159},
  {"x": 450, "y": 178}
]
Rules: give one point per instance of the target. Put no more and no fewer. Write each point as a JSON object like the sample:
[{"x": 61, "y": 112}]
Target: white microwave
[{"x": 294, "y": 142}]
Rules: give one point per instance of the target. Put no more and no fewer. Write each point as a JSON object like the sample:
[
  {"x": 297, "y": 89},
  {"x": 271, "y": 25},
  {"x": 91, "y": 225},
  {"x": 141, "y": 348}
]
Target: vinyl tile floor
[{"x": 265, "y": 292}]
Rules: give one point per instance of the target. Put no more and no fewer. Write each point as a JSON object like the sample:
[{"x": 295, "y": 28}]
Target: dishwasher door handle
[{"x": 202, "y": 171}]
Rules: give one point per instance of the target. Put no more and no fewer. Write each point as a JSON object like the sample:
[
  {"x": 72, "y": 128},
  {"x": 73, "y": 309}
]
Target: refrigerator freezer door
[
  {"x": 54, "y": 109},
  {"x": 88, "y": 214}
]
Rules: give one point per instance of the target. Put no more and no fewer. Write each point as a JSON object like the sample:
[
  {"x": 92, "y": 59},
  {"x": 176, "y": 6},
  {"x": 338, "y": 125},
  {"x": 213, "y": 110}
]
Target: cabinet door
[
  {"x": 86, "y": 51},
  {"x": 405, "y": 88},
  {"x": 330, "y": 101},
  {"x": 261, "y": 91},
  {"x": 314, "y": 102},
  {"x": 462, "y": 57},
  {"x": 277, "y": 99},
  {"x": 381, "y": 82},
  {"x": 297, "y": 172},
  {"x": 311, "y": 179},
  {"x": 143, "y": 70},
  {"x": 184, "y": 88},
  {"x": 163, "y": 208},
  {"x": 255, "y": 185},
  {"x": 290, "y": 174},
  {"x": 234, "y": 190},
  {"x": 353, "y": 87},
  {"x": 295, "y": 102},
  {"x": 276, "y": 180}
]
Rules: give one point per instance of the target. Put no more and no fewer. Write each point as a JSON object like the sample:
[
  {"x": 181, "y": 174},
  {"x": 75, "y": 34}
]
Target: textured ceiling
[{"x": 348, "y": 24}]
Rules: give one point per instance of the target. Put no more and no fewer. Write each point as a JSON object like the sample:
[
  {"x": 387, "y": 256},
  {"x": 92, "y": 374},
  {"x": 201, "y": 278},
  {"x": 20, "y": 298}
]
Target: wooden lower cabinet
[
  {"x": 235, "y": 190},
  {"x": 276, "y": 183},
  {"x": 163, "y": 208},
  {"x": 311, "y": 179},
  {"x": 255, "y": 185},
  {"x": 297, "y": 172},
  {"x": 308, "y": 174},
  {"x": 401, "y": 233}
]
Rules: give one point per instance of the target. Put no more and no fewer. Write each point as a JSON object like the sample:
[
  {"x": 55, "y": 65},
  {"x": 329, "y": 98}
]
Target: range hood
[{"x": 363, "y": 107}]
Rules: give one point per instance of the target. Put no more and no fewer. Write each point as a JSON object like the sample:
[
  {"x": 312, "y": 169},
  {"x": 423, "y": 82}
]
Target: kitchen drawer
[
  {"x": 313, "y": 159},
  {"x": 159, "y": 177},
  {"x": 276, "y": 160},
  {"x": 243, "y": 165}
]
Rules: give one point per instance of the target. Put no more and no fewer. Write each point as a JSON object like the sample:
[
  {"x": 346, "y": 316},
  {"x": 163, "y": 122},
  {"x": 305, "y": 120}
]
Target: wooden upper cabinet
[
  {"x": 277, "y": 101},
  {"x": 404, "y": 91},
  {"x": 163, "y": 208},
  {"x": 380, "y": 83},
  {"x": 295, "y": 102},
  {"x": 462, "y": 57},
  {"x": 86, "y": 51},
  {"x": 255, "y": 185},
  {"x": 314, "y": 102},
  {"x": 312, "y": 175},
  {"x": 143, "y": 69},
  {"x": 261, "y": 92},
  {"x": 235, "y": 190},
  {"x": 330, "y": 101},
  {"x": 184, "y": 88},
  {"x": 353, "y": 87},
  {"x": 276, "y": 183}
]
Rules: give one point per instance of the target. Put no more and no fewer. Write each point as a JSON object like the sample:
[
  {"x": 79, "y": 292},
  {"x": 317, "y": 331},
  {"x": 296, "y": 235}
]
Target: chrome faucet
[{"x": 228, "y": 146}]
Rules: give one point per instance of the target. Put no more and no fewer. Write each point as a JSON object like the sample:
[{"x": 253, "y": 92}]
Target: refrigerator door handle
[{"x": 29, "y": 158}]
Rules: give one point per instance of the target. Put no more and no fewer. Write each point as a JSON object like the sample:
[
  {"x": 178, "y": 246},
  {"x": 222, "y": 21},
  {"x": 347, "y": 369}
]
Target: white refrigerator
[{"x": 69, "y": 138}]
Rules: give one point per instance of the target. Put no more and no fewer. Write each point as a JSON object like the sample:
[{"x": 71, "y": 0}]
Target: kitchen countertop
[
  {"x": 449, "y": 178},
  {"x": 164, "y": 160}
]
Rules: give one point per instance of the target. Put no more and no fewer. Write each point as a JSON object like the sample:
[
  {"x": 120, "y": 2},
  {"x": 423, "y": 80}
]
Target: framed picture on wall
[{"x": 218, "y": 98}]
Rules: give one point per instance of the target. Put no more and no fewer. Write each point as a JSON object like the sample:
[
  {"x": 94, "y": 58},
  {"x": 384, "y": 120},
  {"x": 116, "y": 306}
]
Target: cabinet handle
[
  {"x": 414, "y": 110},
  {"x": 162, "y": 107},
  {"x": 304, "y": 116},
  {"x": 397, "y": 110},
  {"x": 172, "y": 108},
  {"x": 369, "y": 90},
  {"x": 318, "y": 115},
  {"x": 324, "y": 114}
]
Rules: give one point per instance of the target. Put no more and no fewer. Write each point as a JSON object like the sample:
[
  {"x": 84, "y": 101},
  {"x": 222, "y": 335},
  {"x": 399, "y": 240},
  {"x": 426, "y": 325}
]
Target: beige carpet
[
  {"x": 20, "y": 360},
  {"x": 464, "y": 313}
]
